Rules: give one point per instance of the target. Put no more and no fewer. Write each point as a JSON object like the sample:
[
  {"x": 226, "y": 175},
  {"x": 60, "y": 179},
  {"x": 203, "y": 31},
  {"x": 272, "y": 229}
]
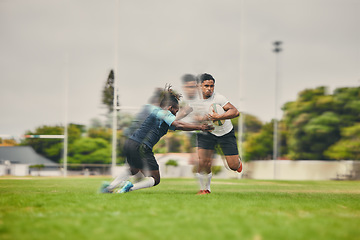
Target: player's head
[
  {"x": 189, "y": 85},
  {"x": 207, "y": 85},
  {"x": 170, "y": 100},
  {"x": 205, "y": 77}
]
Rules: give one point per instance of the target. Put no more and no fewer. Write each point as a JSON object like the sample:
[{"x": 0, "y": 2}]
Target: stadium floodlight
[{"x": 277, "y": 49}]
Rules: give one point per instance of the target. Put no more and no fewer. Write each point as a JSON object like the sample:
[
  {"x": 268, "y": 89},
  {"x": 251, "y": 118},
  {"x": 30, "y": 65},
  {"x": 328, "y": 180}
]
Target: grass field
[{"x": 71, "y": 208}]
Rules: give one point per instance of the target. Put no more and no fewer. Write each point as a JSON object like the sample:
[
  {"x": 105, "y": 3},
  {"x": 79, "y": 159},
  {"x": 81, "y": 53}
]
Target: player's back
[{"x": 152, "y": 129}]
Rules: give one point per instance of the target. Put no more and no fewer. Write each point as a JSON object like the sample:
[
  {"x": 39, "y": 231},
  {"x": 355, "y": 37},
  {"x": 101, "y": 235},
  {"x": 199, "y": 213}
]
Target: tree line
[
  {"x": 316, "y": 126},
  {"x": 93, "y": 145}
]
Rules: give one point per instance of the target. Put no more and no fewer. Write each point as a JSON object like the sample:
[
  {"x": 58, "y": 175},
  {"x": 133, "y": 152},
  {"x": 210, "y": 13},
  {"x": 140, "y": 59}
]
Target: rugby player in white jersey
[{"x": 223, "y": 135}]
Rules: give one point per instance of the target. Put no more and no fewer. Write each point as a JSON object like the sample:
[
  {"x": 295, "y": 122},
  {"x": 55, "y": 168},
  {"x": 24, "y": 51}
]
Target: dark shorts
[
  {"x": 227, "y": 142},
  {"x": 140, "y": 156}
]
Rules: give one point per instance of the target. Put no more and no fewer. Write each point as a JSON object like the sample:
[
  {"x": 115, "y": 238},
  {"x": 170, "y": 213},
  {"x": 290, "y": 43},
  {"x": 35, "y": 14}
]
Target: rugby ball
[{"x": 218, "y": 109}]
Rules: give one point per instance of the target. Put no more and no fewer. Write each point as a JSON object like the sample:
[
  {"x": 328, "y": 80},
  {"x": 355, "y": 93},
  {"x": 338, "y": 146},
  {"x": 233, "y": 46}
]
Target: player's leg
[
  {"x": 229, "y": 147},
  {"x": 152, "y": 179},
  {"x": 132, "y": 157},
  {"x": 134, "y": 154},
  {"x": 193, "y": 159},
  {"x": 206, "y": 143},
  {"x": 137, "y": 177},
  {"x": 204, "y": 174},
  {"x": 234, "y": 162},
  {"x": 123, "y": 176},
  {"x": 146, "y": 182},
  {"x": 205, "y": 160},
  {"x": 150, "y": 169}
]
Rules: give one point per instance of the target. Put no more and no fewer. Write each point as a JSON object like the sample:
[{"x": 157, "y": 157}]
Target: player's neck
[{"x": 207, "y": 97}]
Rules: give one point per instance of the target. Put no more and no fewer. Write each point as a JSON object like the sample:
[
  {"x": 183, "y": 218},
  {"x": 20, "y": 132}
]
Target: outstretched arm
[
  {"x": 179, "y": 125},
  {"x": 184, "y": 112}
]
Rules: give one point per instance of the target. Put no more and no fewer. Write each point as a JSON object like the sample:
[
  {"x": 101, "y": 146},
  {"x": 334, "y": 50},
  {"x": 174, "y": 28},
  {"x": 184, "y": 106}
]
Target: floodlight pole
[{"x": 277, "y": 49}]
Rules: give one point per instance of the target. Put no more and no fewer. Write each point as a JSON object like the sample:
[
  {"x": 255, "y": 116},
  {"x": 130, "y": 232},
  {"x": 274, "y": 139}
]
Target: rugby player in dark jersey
[{"x": 138, "y": 147}]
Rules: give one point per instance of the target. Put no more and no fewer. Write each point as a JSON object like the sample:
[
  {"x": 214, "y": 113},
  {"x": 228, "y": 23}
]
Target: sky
[{"x": 55, "y": 56}]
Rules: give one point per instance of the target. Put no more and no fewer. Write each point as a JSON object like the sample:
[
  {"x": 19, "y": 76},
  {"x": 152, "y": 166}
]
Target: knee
[
  {"x": 234, "y": 165},
  {"x": 206, "y": 161},
  {"x": 208, "y": 164},
  {"x": 157, "y": 180}
]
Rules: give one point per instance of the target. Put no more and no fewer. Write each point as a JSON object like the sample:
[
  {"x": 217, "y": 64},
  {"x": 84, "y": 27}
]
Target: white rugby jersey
[{"x": 222, "y": 101}]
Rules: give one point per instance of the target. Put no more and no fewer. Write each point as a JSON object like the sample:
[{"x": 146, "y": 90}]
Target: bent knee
[
  {"x": 234, "y": 168},
  {"x": 157, "y": 180},
  {"x": 234, "y": 165}
]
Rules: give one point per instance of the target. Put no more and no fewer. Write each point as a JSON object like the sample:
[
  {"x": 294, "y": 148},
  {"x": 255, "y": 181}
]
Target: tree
[
  {"x": 252, "y": 124},
  {"x": 347, "y": 105},
  {"x": 258, "y": 138},
  {"x": 108, "y": 92},
  {"x": 101, "y": 132},
  {"x": 320, "y": 133},
  {"x": 8, "y": 142},
  {"x": 314, "y": 120},
  {"x": 259, "y": 145},
  {"x": 348, "y": 148},
  {"x": 52, "y": 148},
  {"x": 90, "y": 150}
]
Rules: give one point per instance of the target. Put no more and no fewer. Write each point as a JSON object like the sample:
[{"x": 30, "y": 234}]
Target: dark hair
[
  {"x": 205, "y": 76},
  {"x": 188, "y": 78},
  {"x": 169, "y": 97}
]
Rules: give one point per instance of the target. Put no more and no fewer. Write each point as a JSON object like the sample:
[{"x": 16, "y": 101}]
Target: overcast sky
[{"x": 43, "y": 43}]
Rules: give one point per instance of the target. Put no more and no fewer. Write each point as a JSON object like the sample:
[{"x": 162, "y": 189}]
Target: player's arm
[
  {"x": 200, "y": 118},
  {"x": 230, "y": 112},
  {"x": 184, "y": 111},
  {"x": 180, "y": 125}
]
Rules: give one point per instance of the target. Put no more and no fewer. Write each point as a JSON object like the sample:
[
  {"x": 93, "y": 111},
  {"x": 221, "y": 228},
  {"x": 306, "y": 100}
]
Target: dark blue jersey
[
  {"x": 139, "y": 119},
  {"x": 154, "y": 127}
]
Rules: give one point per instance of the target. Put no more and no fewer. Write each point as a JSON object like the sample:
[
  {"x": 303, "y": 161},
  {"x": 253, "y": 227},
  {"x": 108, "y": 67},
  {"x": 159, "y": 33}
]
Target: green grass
[{"x": 70, "y": 208}]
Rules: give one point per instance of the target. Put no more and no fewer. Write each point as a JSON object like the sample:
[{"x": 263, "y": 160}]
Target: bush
[
  {"x": 172, "y": 162},
  {"x": 215, "y": 169},
  {"x": 38, "y": 166}
]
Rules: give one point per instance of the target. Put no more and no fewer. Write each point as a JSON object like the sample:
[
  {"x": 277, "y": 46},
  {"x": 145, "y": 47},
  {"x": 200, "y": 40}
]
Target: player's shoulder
[
  {"x": 218, "y": 95},
  {"x": 153, "y": 108},
  {"x": 219, "y": 98},
  {"x": 157, "y": 111},
  {"x": 163, "y": 113}
]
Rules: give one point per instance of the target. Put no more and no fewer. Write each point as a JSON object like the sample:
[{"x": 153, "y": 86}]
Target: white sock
[
  {"x": 208, "y": 181},
  {"x": 146, "y": 183},
  {"x": 123, "y": 176},
  {"x": 137, "y": 177},
  {"x": 200, "y": 178}
]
